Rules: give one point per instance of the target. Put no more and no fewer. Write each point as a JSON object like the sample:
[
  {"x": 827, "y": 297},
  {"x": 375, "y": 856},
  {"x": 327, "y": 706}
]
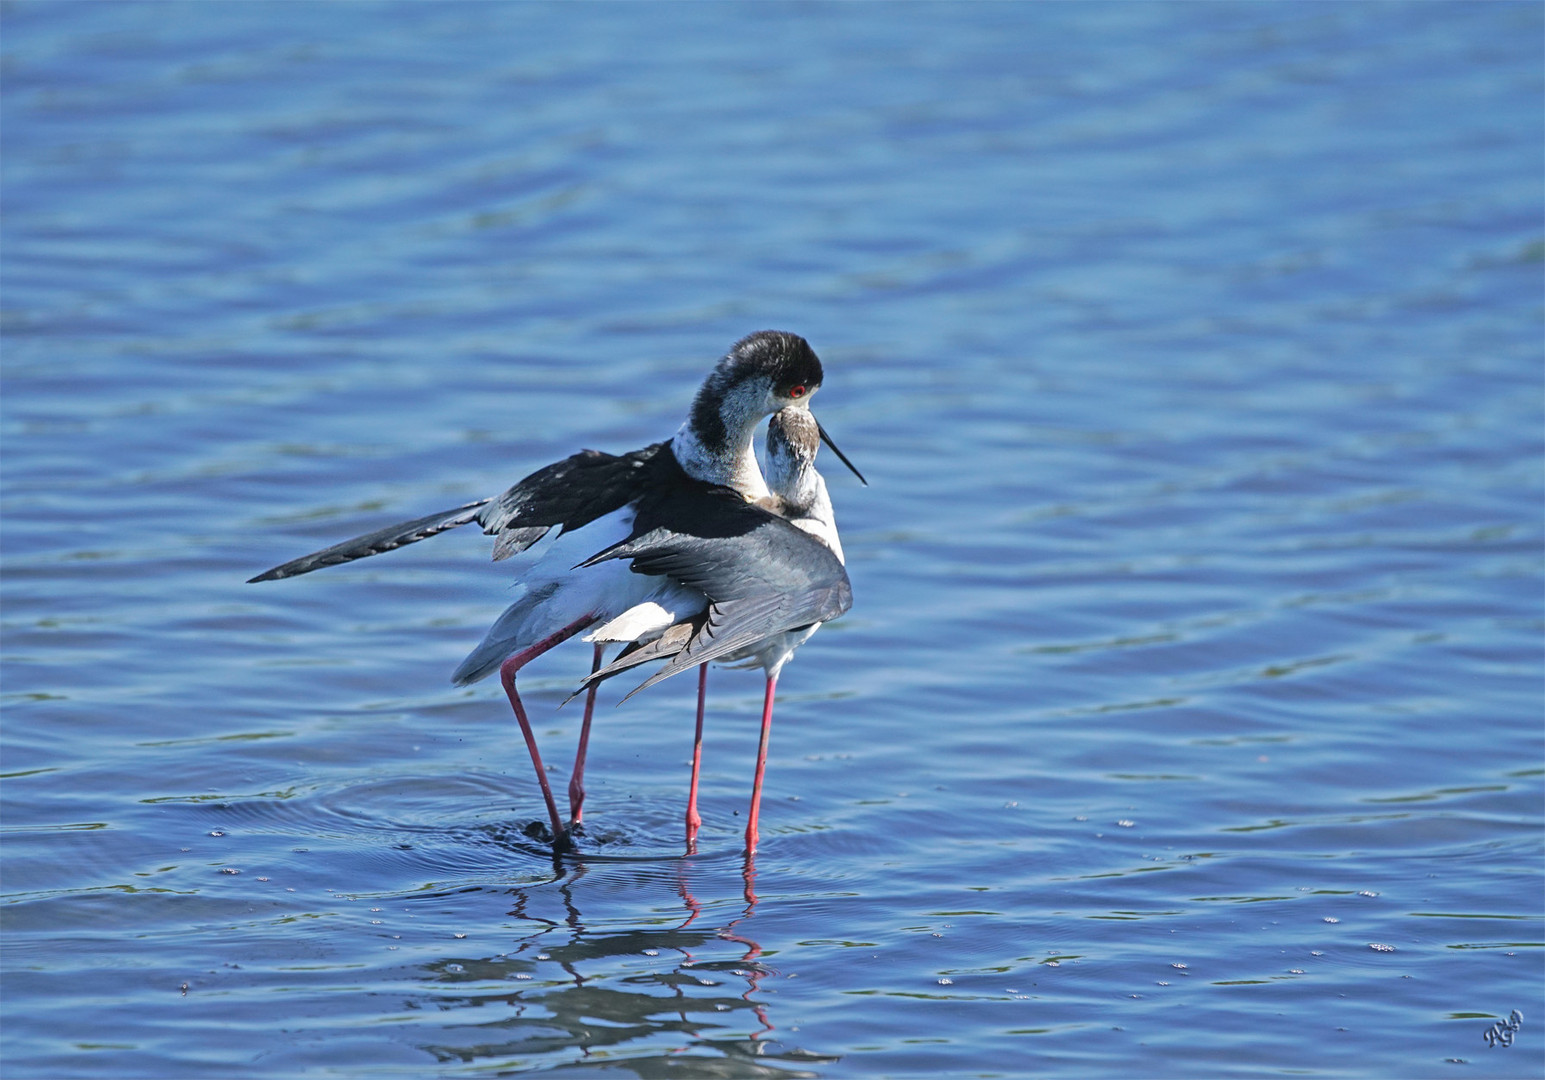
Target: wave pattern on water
[{"x": 1187, "y": 722}]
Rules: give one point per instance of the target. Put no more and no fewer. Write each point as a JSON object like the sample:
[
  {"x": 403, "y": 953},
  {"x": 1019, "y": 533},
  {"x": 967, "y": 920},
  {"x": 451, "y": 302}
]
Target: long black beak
[{"x": 827, "y": 439}]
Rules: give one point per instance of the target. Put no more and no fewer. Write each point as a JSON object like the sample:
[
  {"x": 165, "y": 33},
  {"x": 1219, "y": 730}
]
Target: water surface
[{"x": 1188, "y": 719}]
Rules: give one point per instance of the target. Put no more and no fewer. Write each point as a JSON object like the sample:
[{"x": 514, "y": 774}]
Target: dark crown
[{"x": 785, "y": 359}]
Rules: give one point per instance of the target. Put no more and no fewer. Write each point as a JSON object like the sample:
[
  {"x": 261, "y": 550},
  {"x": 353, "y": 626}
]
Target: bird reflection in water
[
  {"x": 753, "y": 973},
  {"x": 629, "y": 995}
]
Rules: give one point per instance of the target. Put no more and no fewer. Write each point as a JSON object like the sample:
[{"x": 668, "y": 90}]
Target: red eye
[{"x": 797, "y": 392}]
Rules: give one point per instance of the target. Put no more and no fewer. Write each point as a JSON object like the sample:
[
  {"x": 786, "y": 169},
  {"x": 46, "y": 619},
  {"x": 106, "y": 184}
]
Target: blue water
[{"x": 1188, "y": 721}]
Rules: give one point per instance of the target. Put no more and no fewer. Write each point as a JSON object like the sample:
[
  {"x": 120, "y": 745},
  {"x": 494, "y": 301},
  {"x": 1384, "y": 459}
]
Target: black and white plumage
[
  {"x": 567, "y": 494},
  {"x": 760, "y": 573},
  {"x": 768, "y": 582},
  {"x": 705, "y": 478}
]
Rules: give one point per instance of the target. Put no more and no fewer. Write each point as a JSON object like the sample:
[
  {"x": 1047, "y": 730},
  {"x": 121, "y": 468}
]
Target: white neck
[
  {"x": 819, "y": 519},
  {"x": 732, "y": 463}
]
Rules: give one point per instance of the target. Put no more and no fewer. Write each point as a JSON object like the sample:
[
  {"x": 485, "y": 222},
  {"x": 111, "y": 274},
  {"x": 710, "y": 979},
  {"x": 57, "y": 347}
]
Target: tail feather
[
  {"x": 393, "y": 536},
  {"x": 509, "y": 633}
]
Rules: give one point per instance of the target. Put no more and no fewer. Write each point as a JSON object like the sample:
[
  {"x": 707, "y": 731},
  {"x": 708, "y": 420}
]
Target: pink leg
[
  {"x": 761, "y": 767},
  {"x": 507, "y": 672},
  {"x": 577, "y": 780},
  {"x": 693, "y": 821}
]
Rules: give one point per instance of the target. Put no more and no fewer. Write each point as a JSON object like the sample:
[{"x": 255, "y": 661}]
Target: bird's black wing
[
  {"x": 569, "y": 494},
  {"x": 393, "y": 536},
  {"x": 761, "y": 575}
]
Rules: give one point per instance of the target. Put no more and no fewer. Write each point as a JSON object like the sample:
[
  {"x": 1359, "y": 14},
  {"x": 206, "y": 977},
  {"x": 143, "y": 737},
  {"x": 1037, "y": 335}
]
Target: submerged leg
[
  {"x": 507, "y": 672},
  {"x": 577, "y": 780},
  {"x": 693, "y": 821},
  {"x": 761, "y": 766}
]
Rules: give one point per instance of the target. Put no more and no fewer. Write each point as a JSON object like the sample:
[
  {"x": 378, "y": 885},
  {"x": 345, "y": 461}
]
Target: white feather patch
[{"x": 641, "y": 623}]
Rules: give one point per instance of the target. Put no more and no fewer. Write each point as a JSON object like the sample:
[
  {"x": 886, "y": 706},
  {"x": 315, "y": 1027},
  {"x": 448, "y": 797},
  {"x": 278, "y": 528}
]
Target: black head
[
  {"x": 763, "y": 372},
  {"x": 787, "y": 360}
]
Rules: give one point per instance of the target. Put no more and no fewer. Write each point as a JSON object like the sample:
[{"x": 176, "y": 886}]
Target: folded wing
[{"x": 762, "y": 575}]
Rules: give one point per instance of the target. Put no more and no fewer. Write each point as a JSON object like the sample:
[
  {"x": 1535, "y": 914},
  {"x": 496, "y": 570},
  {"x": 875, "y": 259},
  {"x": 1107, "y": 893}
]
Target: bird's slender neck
[
  {"x": 715, "y": 443},
  {"x": 815, "y": 514}
]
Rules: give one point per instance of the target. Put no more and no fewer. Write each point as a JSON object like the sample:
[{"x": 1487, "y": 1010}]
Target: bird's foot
[{"x": 543, "y": 834}]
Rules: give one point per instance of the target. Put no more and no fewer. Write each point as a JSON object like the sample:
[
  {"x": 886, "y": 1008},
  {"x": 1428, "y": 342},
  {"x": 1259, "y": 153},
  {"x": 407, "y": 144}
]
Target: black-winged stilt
[
  {"x": 683, "y": 513},
  {"x": 739, "y": 574}
]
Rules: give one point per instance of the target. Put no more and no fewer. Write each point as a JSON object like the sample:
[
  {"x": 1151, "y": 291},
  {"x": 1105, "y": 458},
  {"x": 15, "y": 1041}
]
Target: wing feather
[
  {"x": 573, "y": 492},
  {"x": 761, "y": 574},
  {"x": 567, "y": 494},
  {"x": 373, "y": 543}
]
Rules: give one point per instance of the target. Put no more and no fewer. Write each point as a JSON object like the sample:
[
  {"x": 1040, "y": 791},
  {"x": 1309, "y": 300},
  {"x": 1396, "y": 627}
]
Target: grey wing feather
[
  {"x": 762, "y": 576},
  {"x": 736, "y": 625},
  {"x": 393, "y": 536},
  {"x": 668, "y": 644}
]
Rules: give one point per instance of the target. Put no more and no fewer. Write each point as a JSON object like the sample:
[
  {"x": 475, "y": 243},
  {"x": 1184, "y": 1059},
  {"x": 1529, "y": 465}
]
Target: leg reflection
[
  {"x": 754, "y": 972},
  {"x": 595, "y": 967}
]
